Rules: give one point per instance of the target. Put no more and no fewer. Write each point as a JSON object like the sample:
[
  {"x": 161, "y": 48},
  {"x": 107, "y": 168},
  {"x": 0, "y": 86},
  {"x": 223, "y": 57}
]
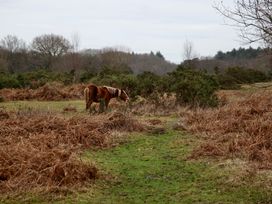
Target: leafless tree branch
[
  {"x": 13, "y": 44},
  {"x": 253, "y": 18}
]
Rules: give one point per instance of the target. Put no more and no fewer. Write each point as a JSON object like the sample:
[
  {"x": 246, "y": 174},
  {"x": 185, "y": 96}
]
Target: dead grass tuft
[
  {"x": 164, "y": 105},
  {"x": 3, "y": 114},
  {"x": 154, "y": 121},
  {"x": 118, "y": 120},
  {"x": 48, "y": 92}
]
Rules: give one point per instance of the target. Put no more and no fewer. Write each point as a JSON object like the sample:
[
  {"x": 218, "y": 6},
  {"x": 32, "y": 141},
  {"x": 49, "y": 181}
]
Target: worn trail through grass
[{"x": 154, "y": 169}]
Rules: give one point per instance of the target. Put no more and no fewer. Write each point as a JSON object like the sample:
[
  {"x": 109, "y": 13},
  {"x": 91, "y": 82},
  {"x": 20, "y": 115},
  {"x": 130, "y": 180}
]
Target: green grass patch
[
  {"x": 154, "y": 169},
  {"x": 51, "y": 106}
]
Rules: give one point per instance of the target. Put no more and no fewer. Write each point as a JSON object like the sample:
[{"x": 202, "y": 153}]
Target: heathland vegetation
[
  {"x": 196, "y": 132},
  {"x": 149, "y": 151}
]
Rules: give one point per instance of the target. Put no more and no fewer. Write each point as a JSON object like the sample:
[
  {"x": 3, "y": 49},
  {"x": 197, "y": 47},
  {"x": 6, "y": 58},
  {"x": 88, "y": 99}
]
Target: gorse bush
[
  {"x": 227, "y": 82},
  {"x": 8, "y": 81},
  {"x": 193, "y": 88},
  {"x": 233, "y": 77},
  {"x": 241, "y": 75},
  {"x": 148, "y": 83},
  {"x": 34, "y": 79},
  {"x": 86, "y": 76}
]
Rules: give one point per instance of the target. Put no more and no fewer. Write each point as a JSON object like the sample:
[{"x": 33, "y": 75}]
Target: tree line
[
  {"x": 55, "y": 52},
  {"x": 240, "y": 53}
]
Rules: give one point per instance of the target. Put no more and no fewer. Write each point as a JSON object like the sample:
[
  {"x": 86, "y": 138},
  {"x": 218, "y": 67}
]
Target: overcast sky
[{"x": 141, "y": 25}]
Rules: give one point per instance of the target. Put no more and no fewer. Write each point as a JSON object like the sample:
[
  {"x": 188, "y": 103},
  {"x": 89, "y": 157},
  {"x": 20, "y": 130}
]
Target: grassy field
[
  {"x": 154, "y": 168},
  {"x": 51, "y": 106}
]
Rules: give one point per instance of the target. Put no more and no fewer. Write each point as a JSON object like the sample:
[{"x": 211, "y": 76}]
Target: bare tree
[
  {"x": 13, "y": 44},
  {"x": 75, "y": 40},
  {"x": 188, "y": 50},
  {"x": 51, "y": 45},
  {"x": 252, "y": 17},
  {"x": 50, "y": 48}
]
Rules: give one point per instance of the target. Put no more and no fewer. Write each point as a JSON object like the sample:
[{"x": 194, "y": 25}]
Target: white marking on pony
[{"x": 110, "y": 89}]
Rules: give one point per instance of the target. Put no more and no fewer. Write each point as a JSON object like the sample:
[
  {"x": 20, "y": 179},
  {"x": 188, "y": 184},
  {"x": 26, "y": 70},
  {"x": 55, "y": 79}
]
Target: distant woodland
[{"x": 55, "y": 53}]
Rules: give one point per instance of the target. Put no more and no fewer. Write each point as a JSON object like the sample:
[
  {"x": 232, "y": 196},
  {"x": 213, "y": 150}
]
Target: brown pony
[{"x": 100, "y": 94}]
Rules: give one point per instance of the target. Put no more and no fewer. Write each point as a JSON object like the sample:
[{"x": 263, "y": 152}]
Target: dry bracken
[
  {"x": 40, "y": 150},
  {"x": 240, "y": 127}
]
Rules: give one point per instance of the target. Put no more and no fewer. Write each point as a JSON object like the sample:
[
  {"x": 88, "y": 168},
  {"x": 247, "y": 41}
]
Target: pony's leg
[
  {"x": 93, "y": 110},
  {"x": 88, "y": 104},
  {"x": 107, "y": 104},
  {"x": 102, "y": 105}
]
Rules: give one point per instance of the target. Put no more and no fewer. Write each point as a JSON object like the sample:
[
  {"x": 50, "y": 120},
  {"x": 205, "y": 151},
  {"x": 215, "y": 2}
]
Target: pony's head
[{"x": 123, "y": 96}]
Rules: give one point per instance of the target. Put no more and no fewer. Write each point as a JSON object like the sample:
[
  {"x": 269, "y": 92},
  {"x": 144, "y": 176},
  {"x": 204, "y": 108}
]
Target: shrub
[
  {"x": 227, "y": 82},
  {"x": 66, "y": 78},
  {"x": 86, "y": 76},
  {"x": 148, "y": 83},
  {"x": 192, "y": 87},
  {"x": 130, "y": 83},
  {"x": 241, "y": 75},
  {"x": 8, "y": 81},
  {"x": 35, "y": 79},
  {"x": 233, "y": 77}
]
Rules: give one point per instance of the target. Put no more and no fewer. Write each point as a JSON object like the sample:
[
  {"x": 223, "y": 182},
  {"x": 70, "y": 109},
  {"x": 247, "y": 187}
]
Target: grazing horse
[{"x": 102, "y": 94}]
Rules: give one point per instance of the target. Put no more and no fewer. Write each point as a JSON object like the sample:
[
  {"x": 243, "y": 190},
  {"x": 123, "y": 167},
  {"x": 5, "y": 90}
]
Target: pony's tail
[{"x": 87, "y": 95}]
